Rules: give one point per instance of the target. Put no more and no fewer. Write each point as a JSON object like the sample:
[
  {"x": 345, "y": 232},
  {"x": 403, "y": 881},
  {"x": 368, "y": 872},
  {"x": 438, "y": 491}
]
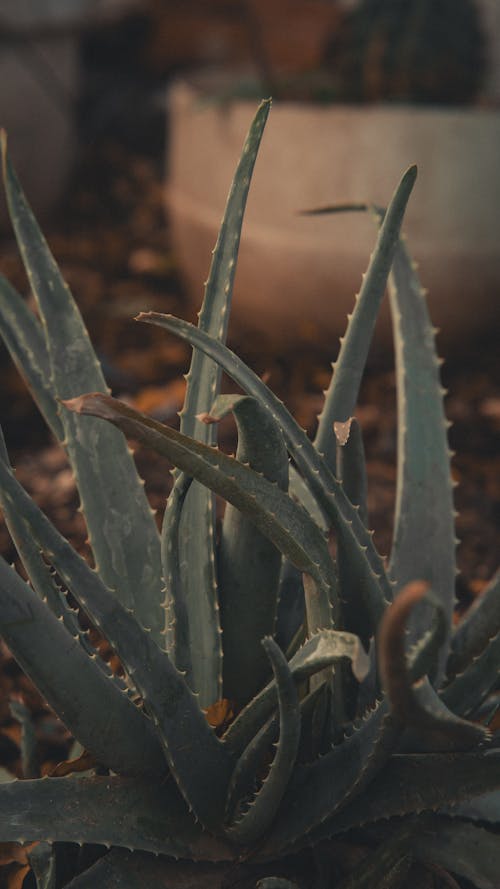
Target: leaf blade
[
  {"x": 200, "y": 763},
  {"x": 197, "y": 531},
  {"x": 376, "y": 588},
  {"x": 262, "y": 811},
  {"x": 249, "y": 565},
  {"x": 317, "y": 654},
  {"x": 72, "y": 683},
  {"x": 24, "y": 338},
  {"x": 424, "y": 494},
  {"x": 121, "y": 526},
  {"x": 343, "y": 391},
  {"x": 286, "y": 524},
  {"x": 112, "y": 811}
]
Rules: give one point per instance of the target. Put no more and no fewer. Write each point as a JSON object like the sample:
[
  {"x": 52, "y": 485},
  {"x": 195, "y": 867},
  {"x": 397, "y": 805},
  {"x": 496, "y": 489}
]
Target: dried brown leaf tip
[
  {"x": 391, "y": 643},
  {"x": 207, "y": 418},
  {"x": 68, "y": 767},
  {"x": 342, "y": 430},
  {"x": 220, "y": 715}
]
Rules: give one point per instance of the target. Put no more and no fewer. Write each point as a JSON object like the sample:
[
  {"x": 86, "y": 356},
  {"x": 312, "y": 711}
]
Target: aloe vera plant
[{"x": 367, "y": 724}]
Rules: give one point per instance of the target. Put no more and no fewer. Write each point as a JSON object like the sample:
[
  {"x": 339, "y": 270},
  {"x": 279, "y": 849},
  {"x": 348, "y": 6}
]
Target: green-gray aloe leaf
[
  {"x": 120, "y": 522},
  {"x": 199, "y": 762},
  {"x": 197, "y": 533},
  {"x": 254, "y": 821},
  {"x": 375, "y": 588},
  {"x": 115, "y": 811},
  {"x": 254, "y": 759},
  {"x": 42, "y": 578},
  {"x": 89, "y": 703},
  {"x": 478, "y": 627},
  {"x": 316, "y": 655},
  {"x": 414, "y": 783},
  {"x": 424, "y": 536},
  {"x": 178, "y": 625},
  {"x": 351, "y": 472},
  {"x": 343, "y": 392},
  {"x": 286, "y": 524},
  {"x": 38, "y": 573},
  {"x": 351, "y": 467},
  {"x": 276, "y": 883},
  {"x": 468, "y": 690},
  {"x": 317, "y": 790},
  {"x": 24, "y": 337},
  {"x": 415, "y": 703},
  {"x": 465, "y": 849},
  {"x": 124, "y": 869},
  {"x": 249, "y": 565},
  {"x": 300, "y": 490},
  {"x": 389, "y": 864},
  {"x": 480, "y": 808}
]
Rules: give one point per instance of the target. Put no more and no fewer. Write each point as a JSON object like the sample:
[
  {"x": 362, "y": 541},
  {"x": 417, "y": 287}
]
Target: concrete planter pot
[
  {"x": 297, "y": 275},
  {"x": 39, "y": 84}
]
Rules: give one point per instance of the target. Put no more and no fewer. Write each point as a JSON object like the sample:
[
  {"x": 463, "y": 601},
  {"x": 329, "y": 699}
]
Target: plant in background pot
[
  {"x": 396, "y": 83},
  {"x": 286, "y": 717}
]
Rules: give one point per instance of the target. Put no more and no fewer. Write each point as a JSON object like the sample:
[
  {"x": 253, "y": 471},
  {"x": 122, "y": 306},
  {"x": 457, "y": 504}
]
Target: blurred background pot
[
  {"x": 39, "y": 88},
  {"x": 297, "y": 275}
]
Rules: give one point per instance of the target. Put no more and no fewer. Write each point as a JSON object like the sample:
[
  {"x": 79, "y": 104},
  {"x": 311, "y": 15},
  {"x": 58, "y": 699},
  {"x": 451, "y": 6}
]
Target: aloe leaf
[
  {"x": 257, "y": 818},
  {"x": 130, "y": 812},
  {"x": 413, "y": 783},
  {"x": 177, "y": 631},
  {"x": 343, "y": 392},
  {"x": 291, "y": 608},
  {"x": 197, "y": 538},
  {"x": 42, "y": 578},
  {"x": 316, "y": 655},
  {"x": 249, "y": 565},
  {"x": 417, "y": 705},
  {"x": 29, "y": 753},
  {"x": 467, "y": 691},
  {"x": 465, "y": 849},
  {"x": 286, "y": 524},
  {"x": 120, "y": 522},
  {"x": 199, "y": 762},
  {"x": 351, "y": 472},
  {"x": 253, "y": 759},
  {"x": 389, "y": 864},
  {"x": 276, "y": 883},
  {"x": 317, "y": 790},
  {"x": 478, "y": 627},
  {"x": 481, "y": 808},
  {"x": 24, "y": 337},
  {"x": 351, "y": 468},
  {"x": 36, "y": 568},
  {"x": 73, "y": 685},
  {"x": 299, "y": 489},
  {"x": 123, "y": 869},
  {"x": 424, "y": 537},
  {"x": 375, "y": 587}
]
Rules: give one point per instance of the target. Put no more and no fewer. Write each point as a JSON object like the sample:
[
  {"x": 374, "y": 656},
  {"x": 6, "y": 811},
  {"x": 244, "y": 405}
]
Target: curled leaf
[
  {"x": 342, "y": 431},
  {"x": 413, "y": 701}
]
